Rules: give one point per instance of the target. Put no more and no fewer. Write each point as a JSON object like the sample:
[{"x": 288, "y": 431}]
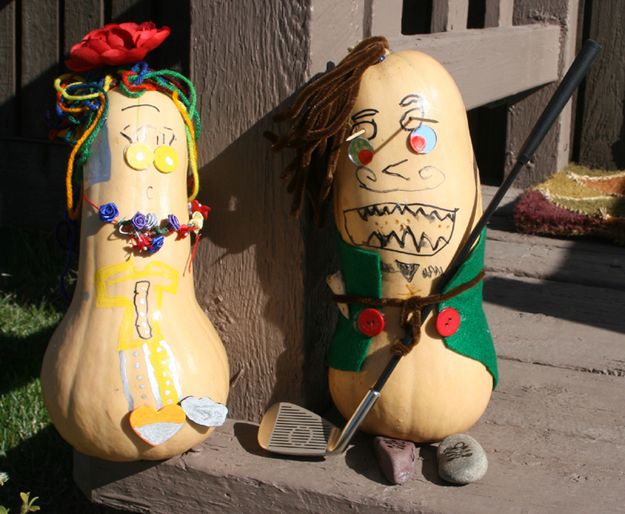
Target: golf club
[{"x": 292, "y": 430}]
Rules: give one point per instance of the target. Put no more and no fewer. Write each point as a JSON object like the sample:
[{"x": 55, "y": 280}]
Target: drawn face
[
  {"x": 143, "y": 147},
  {"x": 405, "y": 185}
]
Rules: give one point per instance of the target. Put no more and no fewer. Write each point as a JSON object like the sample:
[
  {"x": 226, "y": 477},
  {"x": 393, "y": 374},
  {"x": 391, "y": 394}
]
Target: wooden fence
[{"x": 260, "y": 273}]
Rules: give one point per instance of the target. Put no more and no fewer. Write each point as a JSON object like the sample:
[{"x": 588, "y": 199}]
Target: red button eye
[
  {"x": 417, "y": 143},
  {"x": 365, "y": 157},
  {"x": 448, "y": 322},
  {"x": 370, "y": 322}
]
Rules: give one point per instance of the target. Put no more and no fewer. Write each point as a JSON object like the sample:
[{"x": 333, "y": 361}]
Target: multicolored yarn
[{"x": 81, "y": 109}]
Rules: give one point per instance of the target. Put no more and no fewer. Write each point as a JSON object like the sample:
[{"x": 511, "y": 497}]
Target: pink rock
[{"x": 397, "y": 458}]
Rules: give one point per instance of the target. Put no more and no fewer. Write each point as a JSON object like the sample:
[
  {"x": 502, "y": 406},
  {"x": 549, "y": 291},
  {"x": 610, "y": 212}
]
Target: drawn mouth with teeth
[{"x": 414, "y": 228}]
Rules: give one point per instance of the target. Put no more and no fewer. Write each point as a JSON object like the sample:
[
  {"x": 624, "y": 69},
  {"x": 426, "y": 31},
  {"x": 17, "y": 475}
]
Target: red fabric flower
[
  {"x": 183, "y": 231},
  {"x": 198, "y": 207},
  {"x": 141, "y": 242},
  {"x": 115, "y": 44}
]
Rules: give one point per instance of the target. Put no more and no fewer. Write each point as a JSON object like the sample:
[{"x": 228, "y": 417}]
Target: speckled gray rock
[
  {"x": 397, "y": 458},
  {"x": 461, "y": 459}
]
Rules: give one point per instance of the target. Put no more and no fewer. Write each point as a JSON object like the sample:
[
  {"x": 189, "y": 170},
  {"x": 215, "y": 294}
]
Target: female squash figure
[
  {"x": 388, "y": 133},
  {"x": 135, "y": 370}
]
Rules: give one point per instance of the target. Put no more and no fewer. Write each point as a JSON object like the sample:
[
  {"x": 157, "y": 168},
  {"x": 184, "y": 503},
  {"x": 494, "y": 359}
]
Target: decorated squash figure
[
  {"x": 387, "y": 133},
  {"x": 135, "y": 370}
]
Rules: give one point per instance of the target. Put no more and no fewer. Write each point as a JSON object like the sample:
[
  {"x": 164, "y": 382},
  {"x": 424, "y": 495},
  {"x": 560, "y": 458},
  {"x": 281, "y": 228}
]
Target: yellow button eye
[
  {"x": 138, "y": 156},
  {"x": 165, "y": 159}
]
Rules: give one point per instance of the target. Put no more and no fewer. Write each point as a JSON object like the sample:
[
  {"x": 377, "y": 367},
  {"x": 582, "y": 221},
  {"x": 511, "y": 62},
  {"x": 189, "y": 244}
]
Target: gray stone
[
  {"x": 461, "y": 459},
  {"x": 397, "y": 458}
]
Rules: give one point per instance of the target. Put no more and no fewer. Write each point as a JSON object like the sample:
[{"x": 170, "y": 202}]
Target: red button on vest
[
  {"x": 447, "y": 322},
  {"x": 370, "y": 322}
]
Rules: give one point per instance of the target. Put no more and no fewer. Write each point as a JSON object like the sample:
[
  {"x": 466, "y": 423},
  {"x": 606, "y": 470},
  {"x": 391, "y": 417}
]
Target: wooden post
[
  {"x": 554, "y": 153},
  {"x": 250, "y": 270}
]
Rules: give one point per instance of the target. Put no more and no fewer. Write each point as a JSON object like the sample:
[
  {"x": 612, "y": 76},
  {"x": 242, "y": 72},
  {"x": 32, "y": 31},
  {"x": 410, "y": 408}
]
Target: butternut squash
[
  {"x": 407, "y": 189},
  {"x": 135, "y": 367}
]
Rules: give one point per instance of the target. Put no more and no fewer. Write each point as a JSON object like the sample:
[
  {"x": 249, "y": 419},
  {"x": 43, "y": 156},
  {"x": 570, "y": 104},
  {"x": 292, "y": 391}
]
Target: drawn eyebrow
[
  {"x": 410, "y": 99},
  {"x": 427, "y": 120},
  {"x": 141, "y": 105},
  {"x": 365, "y": 113}
]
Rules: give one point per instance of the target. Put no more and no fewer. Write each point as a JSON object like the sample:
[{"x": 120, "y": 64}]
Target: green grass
[{"x": 36, "y": 459}]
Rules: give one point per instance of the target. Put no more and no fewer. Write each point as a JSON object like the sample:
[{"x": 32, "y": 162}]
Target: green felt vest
[{"x": 363, "y": 277}]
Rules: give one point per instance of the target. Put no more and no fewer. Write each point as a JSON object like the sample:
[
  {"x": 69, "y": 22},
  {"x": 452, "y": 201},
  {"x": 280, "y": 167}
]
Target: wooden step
[{"x": 554, "y": 430}]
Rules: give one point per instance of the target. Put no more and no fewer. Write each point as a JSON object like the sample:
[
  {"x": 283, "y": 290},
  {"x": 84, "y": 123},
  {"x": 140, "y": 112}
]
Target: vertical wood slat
[
  {"x": 602, "y": 135},
  {"x": 80, "y": 17},
  {"x": 7, "y": 77},
  {"x": 386, "y": 17},
  {"x": 175, "y": 52},
  {"x": 128, "y": 10},
  {"x": 448, "y": 15},
  {"x": 498, "y": 13},
  {"x": 39, "y": 63}
]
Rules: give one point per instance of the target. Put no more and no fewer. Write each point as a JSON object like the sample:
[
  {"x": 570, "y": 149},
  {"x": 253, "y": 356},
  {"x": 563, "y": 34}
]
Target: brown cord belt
[{"x": 411, "y": 308}]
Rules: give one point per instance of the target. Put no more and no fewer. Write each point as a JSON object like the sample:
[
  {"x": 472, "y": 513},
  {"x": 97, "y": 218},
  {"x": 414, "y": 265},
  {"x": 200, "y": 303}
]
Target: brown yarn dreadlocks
[{"x": 320, "y": 123}]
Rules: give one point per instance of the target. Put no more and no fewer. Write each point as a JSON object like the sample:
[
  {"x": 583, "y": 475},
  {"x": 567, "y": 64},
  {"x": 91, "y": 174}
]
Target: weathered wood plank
[
  {"x": 249, "y": 269},
  {"x": 498, "y": 13},
  {"x": 335, "y": 27},
  {"x": 386, "y": 17},
  {"x": 578, "y": 262},
  {"x": 556, "y": 324},
  {"x": 39, "y": 60},
  {"x": 602, "y": 136},
  {"x": 449, "y": 15},
  {"x": 554, "y": 440},
  {"x": 514, "y": 58},
  {"x": 81, "y": 17}
]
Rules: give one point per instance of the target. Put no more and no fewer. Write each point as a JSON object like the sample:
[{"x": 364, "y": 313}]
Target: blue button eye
[{"x": 422, "y": 139}]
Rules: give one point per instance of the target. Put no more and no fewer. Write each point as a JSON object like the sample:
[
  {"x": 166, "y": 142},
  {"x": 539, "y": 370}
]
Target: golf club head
[{"x": 289, "y": 429}]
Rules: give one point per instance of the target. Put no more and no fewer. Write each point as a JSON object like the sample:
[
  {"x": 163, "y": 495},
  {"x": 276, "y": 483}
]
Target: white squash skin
[
  {"x": 434, "y": 392},
  {"x": 81, "y": 378}
]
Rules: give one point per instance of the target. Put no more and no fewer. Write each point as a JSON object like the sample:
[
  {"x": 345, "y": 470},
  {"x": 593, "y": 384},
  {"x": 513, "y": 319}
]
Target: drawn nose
[{"x": 399, "y": 177}]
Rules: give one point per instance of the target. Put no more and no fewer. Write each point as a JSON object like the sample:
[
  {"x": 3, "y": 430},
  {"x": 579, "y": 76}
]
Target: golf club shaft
[
  {"x": 351, "y": 427},
  {"x": 575, "y": 74}
]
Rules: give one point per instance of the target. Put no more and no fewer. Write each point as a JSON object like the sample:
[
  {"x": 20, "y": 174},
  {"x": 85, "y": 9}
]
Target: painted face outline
[{"x": 432, "y": 226}]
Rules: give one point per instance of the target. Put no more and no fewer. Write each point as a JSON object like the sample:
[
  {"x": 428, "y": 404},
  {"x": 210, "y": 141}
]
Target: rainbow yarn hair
[{"x": 81, "y": 109}]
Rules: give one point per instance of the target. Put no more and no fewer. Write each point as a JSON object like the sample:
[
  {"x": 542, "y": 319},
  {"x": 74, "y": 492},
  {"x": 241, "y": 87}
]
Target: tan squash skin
[
  {"x": 81, "y": 379},
  {"x": 433, "y": 392}
]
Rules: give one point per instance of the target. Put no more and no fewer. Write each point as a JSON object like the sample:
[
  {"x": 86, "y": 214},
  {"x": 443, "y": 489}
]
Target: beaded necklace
[{"x": 145, "y": 233}]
